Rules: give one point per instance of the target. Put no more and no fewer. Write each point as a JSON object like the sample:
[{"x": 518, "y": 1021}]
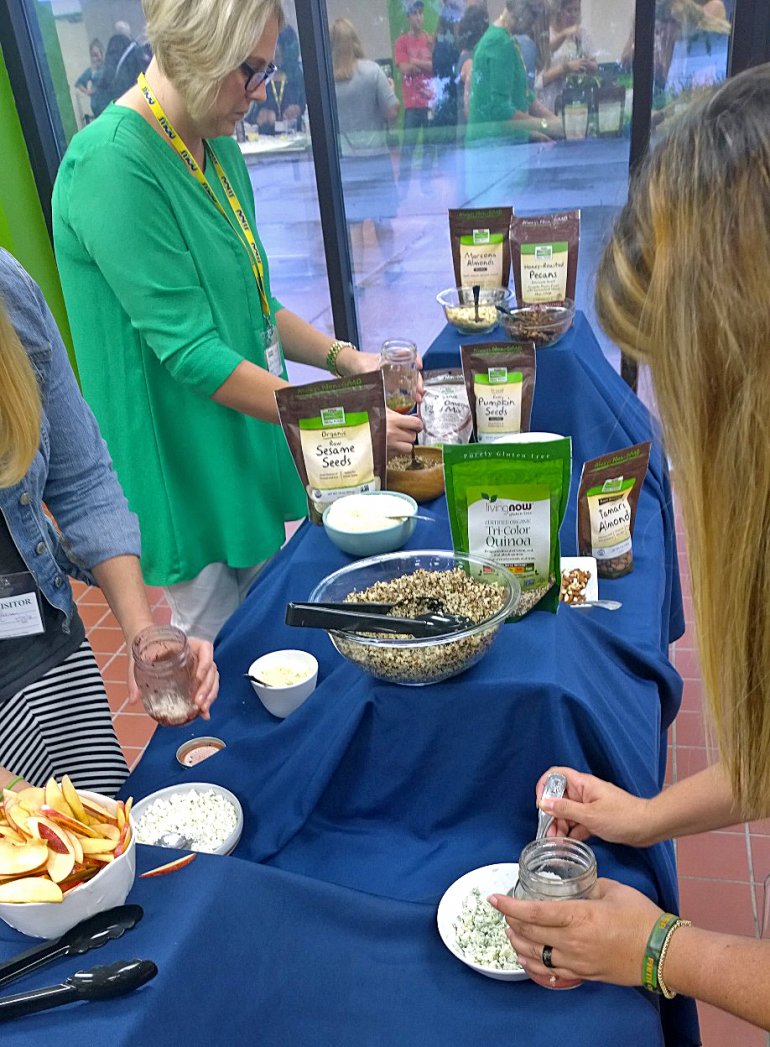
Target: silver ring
[{"x": 547, "y": 955}]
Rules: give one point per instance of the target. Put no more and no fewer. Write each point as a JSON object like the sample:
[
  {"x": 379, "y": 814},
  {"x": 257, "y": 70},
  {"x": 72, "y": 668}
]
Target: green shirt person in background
[
  {"x": 501, "y": 104},
  {"x": 171, "y": 331}
]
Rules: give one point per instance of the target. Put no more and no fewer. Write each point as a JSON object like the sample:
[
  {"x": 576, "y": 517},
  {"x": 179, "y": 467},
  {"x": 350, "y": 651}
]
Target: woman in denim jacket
[{"x": 54, "y": 716}]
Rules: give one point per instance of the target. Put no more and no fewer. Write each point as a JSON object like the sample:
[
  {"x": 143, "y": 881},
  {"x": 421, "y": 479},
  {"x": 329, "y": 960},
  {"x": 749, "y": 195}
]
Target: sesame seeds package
[{"x": 506, "y": 503}]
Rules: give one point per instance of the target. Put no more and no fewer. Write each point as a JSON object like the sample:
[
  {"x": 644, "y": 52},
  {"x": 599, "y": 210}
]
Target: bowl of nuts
[
  {"x": 544, "y": 325},
  {"x": 460, "y": 309},
  {"x": 476, "y": 590}
]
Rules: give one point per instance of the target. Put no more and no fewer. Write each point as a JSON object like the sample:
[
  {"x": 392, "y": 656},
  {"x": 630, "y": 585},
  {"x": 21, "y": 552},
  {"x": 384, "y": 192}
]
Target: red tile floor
[{"x": 720, "y": 874}]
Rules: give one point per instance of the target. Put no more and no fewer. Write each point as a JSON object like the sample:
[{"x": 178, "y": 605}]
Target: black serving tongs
[
  {"x": 371, "y": 618},
  {"x": 88, "y": 934},
  {"x": 100, "y": 983}
]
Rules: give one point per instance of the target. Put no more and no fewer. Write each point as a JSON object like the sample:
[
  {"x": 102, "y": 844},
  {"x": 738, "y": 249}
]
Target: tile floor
[{"x": 720, "y": 874}]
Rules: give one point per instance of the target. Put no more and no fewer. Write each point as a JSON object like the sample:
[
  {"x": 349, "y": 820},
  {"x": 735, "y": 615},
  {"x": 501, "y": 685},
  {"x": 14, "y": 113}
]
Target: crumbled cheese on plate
[
  {"x": 206, "y": 817},
  {"x": 481, "y": 936}
]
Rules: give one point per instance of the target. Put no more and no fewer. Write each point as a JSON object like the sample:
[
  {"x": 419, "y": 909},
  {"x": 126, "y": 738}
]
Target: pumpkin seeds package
[
  {"x": 336, "y": 432},
  {"x": 506, "y": 502},
  {"x": 607, "y": 498},
  {"x": 480, "y": 246},
  {"x": 500, "y": 379},
  {"x": 544, "y": 257}
]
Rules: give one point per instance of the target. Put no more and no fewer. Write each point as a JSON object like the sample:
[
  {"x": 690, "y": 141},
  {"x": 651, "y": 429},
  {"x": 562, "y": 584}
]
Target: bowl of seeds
[
  {"x": 460, "y": 308},
  {"x": 544, "y": 325},
  {"x": 469, "y": 587},
  {"x": 423, "y": 482}
]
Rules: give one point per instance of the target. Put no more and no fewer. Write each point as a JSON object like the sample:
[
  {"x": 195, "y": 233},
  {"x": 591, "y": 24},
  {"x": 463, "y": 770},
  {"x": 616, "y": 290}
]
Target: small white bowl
[
  {"x": 230, "y": 843},
  {"x": 281, "y": 701},
  {"x": 490, "y": 879},
  {"x": 385, "y": 539},
  {"x": 109, "y": 887}
]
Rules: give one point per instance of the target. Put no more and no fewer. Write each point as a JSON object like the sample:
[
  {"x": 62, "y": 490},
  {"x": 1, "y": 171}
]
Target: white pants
[{"x": 201, "y": 606}]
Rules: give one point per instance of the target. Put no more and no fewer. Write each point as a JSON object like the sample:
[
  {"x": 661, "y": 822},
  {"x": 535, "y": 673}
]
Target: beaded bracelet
[
  {"x": 652, "y": 951},
  {"x": 661, "y": 984},
  {"x": 13, "y": 781},
  {"x": 334, "y": 351}
]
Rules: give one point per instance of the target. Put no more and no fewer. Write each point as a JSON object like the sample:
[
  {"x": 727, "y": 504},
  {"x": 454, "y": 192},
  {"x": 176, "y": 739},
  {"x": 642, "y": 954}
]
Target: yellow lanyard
[
  {"x": 278, "y": 97},
  {"x": 244, "y": 233}
]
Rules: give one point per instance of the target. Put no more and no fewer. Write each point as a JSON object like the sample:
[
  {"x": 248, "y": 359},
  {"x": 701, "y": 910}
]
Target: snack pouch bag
[
  {"x": 481, "y": 246},
  {"x": 506, "y": 503},
  {"x": 336, "y": 432},
  {"x": 607, "y": 499},
  {"x": 500, "y": 379},
  {"x": 544, "y": 257},
  {"x": 445, "y": 411}
]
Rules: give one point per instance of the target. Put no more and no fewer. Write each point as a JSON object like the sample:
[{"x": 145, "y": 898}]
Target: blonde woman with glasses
[
  {"x": 54, "y": 716},
  {"x": 179, "y": 339},
  {"x": 683, "y": 287}
]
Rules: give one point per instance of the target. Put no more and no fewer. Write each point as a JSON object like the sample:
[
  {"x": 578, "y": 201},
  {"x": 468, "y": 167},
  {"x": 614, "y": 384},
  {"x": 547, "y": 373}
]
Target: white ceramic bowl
[
  {"x": 378, "y": 540},
  {"x": 109, "y": 887},
  {"x": 490, "y": 879},
  {"x": 228, "y": 844},
  {"x": 280, "y": 701}
]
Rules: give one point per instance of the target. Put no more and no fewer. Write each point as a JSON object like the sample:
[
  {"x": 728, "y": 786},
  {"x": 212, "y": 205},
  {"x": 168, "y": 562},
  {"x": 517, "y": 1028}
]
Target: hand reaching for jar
[
  {"x": 592, "y": 807},
  {"x": 206, "y": 678}
]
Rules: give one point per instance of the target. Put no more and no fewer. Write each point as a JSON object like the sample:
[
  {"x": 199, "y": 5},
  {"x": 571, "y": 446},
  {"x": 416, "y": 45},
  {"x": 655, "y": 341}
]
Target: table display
[{"x": 364, "y": 805}]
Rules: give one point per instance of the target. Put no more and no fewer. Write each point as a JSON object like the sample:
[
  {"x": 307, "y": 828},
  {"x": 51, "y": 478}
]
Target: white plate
[
  {"x": 583, "y": 563},
  {"x": 528, "y": 438},
  {"x": 490, "y": 879},
  {"x": 230, "y": 843}
]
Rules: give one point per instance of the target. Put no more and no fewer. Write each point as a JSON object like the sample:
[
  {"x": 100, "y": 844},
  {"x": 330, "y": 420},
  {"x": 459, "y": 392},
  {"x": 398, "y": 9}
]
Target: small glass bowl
[
  {"x": 460, "y": 311},
  {"x": 544, "y": 325}
]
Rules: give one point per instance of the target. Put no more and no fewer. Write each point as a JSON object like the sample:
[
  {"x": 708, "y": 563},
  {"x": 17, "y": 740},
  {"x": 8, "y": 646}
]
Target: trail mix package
[
  {"x": 445, "y": 411},
  {"x": 480, "y": 246},
  {"x": 607, "y": 499},
  {"x": 544, "y": 256},
  {"x": 500, "y": 379},
  {"x": 506, "y": 502},
  {"x": 336, "y": 432}
]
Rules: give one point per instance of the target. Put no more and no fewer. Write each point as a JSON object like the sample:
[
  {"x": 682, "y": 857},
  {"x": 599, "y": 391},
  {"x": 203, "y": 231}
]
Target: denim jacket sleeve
[{"x": 75, "y": 478}]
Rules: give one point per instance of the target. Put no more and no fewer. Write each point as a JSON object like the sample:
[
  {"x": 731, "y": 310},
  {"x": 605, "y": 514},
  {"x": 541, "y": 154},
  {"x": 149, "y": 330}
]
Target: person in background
[
  {"x": 445, "y": 55},
  {"x": 473, "y": 24},
  {"x": 535, "y": 44},
  {"x": 285, "y": 102},
  {"x": 366, "y": 107},
  {"x": 501, "y": 105},
  {"x": 179, "y": 339},
  {"x": 54, "y": 716},
  {"x": 413, "y": 54},
  {"x": 89, "y": 80},
  {"x": 572, "y": 52},
  {"x": 123, "y": 62},
  {"x": 655, "y": 299}
]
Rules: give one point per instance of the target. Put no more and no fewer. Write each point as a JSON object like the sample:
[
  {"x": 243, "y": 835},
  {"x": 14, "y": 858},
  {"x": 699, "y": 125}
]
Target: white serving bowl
[
  {"x": 229, "y": 844},
  {"x": 490, "y": 879},
  {"x": 281, "y": 701},
  {"x": 383, "y": 539},
  {"x": 109, "y": 887}
]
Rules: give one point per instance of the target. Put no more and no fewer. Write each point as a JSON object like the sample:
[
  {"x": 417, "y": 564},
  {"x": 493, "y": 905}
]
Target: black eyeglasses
[{"x": 256, "y": 77}]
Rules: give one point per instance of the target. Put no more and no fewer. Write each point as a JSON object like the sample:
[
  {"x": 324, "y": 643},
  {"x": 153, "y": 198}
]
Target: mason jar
[
  {"x": 398, "y": 363},
  {"x": 556, "y": 869},
  {"x": 164, "y": 670}
]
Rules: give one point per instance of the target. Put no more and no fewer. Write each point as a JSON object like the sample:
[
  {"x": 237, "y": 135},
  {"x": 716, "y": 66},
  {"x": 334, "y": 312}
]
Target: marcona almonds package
[
  {"x": 544, "y": 256},
  {"x": 337, "y": 434},
  {"x": 506, "y": 502},
  {"x": 480, "y": 246},
  {"x": 500, "y": 379},
  {"x": 607, "y": 499}
]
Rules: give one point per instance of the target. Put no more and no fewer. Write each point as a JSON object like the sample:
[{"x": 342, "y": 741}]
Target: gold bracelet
[
  {"x": 334, "y": 351},
  {"x": 661, "y": 984}
]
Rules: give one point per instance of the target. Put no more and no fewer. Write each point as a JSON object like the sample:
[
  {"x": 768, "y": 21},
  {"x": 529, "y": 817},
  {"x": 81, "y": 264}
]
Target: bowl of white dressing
[
  {"x": 371, "y": 522},
  {"x": 283, "y": 680}
]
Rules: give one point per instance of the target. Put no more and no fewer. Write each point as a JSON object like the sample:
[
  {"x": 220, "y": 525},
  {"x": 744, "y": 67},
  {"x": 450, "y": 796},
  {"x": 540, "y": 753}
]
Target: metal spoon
[
  {"x": 411, "y": 516},
  {"x": 555, "y": 784},
  {"x": 608, "y": 605},
  {"x": 415, "y": 463},
  {"x": 176, "y": 840},
  {"x": 256, "y": 679}
]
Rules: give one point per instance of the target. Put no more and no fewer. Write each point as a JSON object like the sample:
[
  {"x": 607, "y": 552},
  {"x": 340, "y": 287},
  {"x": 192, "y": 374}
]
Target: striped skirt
[{"x": 61, "y": 724}]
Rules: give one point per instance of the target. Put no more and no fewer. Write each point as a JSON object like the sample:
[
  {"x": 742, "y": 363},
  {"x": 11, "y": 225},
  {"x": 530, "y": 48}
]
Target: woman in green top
[
  {"x": 501, "y": 104},
  {"x": 179, "y": 340}
]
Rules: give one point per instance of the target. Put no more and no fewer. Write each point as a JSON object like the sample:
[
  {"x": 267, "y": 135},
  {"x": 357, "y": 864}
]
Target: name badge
[
  {"x": 273, "y": 353},
  {"x": 20, "y": 606}
]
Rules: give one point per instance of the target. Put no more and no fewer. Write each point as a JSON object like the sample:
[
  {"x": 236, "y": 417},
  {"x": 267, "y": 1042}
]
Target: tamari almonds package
[
  {"x": 500, "y": 379},
  {"x": 607, "y": 498},
  {"x": 544, "y": 256},
  {"x": 480, "y": 246}
]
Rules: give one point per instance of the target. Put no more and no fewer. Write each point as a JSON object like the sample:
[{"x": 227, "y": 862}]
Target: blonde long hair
[
  {"x": 196, "y": 45},
  {"x": 346, "y": 49},
  {"x": 683, "y": 286},
  {"x": 19, "y": 406}
]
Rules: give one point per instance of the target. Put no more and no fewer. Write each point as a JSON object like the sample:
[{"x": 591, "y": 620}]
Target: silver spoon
[
  {"x": 176, "y": 840},
  {"x": 256, "y": 679},
  {"x": 411, "y": 516},
  {"x": 555, "y": 784},
  {"x": 608, "y": 605}
]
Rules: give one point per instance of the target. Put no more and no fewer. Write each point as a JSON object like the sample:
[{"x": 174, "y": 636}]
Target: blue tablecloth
[{"x": 365, "y": 804}]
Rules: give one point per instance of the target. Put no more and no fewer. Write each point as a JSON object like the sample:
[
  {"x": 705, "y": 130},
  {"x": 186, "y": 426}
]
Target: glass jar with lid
[
  {"x": 164, "y": 670},
  {"x": 556, "y": 869},
  {"x": 398, "y": 363}
]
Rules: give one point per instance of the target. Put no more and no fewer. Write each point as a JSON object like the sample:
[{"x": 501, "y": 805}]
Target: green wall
[{"x": 23, "y": 231}]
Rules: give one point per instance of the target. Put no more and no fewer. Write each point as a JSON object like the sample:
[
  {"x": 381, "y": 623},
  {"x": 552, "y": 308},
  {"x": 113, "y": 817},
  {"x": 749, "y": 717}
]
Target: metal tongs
[{"x": 373, "y": 618}]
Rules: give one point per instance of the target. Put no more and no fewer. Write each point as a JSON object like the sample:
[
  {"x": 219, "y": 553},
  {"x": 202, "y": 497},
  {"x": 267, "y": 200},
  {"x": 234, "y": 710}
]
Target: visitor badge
[
  {"x": 20, "y": 606},
  {"x": 273, "y": 353}
]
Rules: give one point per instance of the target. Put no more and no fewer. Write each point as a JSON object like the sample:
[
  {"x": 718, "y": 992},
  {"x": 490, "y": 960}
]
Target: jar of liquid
[
  {"x": 164, "y": 670},
  {"x": 556, "y": 869},
  {"x": 398, "y": 363}
]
